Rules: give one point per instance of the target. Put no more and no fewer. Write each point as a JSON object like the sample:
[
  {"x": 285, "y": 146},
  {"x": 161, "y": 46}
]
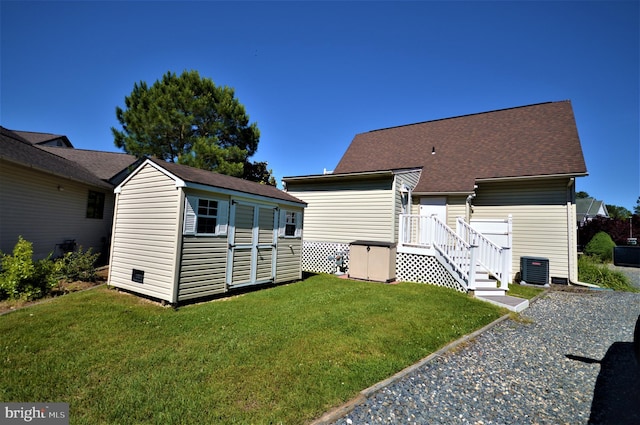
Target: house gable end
[{"x": 533, "y": 140}]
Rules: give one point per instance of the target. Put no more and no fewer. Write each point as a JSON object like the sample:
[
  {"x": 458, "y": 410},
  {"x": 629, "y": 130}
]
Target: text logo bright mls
[{"x": 37, "y": 413}]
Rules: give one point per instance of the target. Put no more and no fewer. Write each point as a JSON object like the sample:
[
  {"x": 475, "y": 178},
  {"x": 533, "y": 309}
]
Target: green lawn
[
  {"x": 522, "y": 291},
  {"x": 284, "y": 354}
]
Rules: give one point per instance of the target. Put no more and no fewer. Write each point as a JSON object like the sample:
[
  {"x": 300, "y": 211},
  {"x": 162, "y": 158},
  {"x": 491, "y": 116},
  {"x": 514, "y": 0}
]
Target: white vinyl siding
[
  {"x": 145, "y": 234},
  {"x": 456, "y": 207},
  {"x": 46, "y": 210},
  {"x": 347, "y": 211},
  {"x": 539, "y": 210},
  {"x": 409, "y": 178},
  {"x": 203, "y": 268}
]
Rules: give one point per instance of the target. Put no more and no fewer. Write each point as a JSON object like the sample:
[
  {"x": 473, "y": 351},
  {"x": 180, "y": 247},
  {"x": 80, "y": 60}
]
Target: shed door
[{"x": 252, "y": 239}]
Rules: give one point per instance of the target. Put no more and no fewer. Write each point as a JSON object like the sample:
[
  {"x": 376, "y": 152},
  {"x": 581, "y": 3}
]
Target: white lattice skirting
[
  {"x": 424, "y": 269},
  {"x": 317, "y": 257}
]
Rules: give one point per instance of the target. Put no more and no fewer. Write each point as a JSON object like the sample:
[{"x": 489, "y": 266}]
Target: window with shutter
[
  {"x": 290, "y": 224},
  {"x": 206, "y": 217}
]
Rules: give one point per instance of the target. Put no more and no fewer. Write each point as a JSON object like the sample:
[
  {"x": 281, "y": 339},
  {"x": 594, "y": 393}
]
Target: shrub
[
  {"x": 601, "y": 246},
  {"x": 22, "y": 278},
  {"x": 78, "y": 265},
  {"x": 590, "y": 271}
]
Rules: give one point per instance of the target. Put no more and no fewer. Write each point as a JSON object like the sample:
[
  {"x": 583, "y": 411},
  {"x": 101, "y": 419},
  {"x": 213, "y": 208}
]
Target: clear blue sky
[{"x": 312, "y": 75}]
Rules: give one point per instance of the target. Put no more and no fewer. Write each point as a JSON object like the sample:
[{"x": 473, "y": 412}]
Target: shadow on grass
[{"x": 616, "y": 398}]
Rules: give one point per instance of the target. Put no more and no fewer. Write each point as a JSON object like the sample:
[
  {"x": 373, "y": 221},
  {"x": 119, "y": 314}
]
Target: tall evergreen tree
[{"x": 189, "y": 120}]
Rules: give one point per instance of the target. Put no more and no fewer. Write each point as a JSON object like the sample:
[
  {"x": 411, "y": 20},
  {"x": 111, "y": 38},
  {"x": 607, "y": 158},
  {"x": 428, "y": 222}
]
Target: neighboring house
[
  {"x": 500, "y": 180},
  {"x": 55, "y": 196},
  {"x": 181, "y": 233},
  {"x": 44, "y": 139},
  {"x": 588, "y": 208}
]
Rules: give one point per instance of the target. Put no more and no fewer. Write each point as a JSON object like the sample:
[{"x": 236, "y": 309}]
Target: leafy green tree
[
  {"x": 582, "y": 195},
  {"x": 189, "y": 120},
  {"x": 636, "y": 209},
  {"x": 618, "y": 212}
]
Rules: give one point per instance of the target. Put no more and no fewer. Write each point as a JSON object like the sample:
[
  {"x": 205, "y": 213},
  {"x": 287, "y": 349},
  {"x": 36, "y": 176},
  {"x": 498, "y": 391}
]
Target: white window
[
  {"x": 290, "y": 224},
  {"x": 205, "y": 216}
]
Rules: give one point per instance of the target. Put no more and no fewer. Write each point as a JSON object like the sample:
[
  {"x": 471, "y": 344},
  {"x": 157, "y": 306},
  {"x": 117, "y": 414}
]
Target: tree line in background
[
  {"x": 189, "y": 120},
  {"x": 620, "y": 225}
]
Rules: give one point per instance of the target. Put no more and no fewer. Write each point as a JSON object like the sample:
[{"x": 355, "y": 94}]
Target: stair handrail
[
  {"x": 490, "y": 256},
  {"x": 459, "y": 253}
]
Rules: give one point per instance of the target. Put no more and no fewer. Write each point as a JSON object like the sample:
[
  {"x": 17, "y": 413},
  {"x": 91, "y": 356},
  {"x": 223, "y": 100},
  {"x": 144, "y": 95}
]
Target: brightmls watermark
[{"x": 35, "y": 413}]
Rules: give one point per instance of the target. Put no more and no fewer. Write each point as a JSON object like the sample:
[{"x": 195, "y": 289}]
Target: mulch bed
[{"x": 63, "y": 288}]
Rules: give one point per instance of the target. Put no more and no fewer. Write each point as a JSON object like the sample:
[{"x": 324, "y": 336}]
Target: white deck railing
[
  {"x": 429, "y": 232},
  {"x": 494, "y": 259},
  {"x": 461, "y": 251}
]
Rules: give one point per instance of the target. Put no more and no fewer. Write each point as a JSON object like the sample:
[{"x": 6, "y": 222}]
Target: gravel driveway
[{"x": 569, "y": 361}]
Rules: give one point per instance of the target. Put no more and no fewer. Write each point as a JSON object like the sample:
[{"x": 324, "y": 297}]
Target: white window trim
[
  {"x": 283, "y": 224},
  {"x": 191, "y": 216}
]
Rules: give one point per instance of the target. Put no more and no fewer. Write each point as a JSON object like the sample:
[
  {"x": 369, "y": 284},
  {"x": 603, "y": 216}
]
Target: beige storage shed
[{"x": 181, "y": 233}]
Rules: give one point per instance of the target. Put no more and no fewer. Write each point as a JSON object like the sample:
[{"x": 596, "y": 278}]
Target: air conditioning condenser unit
[{"x": 534, "y": 270}]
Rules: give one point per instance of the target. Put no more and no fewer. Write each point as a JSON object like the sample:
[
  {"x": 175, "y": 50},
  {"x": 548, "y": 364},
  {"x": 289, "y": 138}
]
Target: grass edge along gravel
[{"x": 282, "y": 354}]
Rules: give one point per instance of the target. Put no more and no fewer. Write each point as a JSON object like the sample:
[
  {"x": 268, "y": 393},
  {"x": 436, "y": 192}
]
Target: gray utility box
[
  {"x": 535, "y": 270},
  {"x": 372, "y": 260}
]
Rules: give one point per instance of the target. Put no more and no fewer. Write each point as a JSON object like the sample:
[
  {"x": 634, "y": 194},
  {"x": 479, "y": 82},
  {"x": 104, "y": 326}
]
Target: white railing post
[
  {"x": 506, "y": 266},
  {"x": 473, "y": 250}
]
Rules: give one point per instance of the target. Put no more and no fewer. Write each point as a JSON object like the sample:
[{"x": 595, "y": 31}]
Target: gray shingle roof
[
  {"x": 105, "y": 165},
  {"x": 41, "y": 138},
  {"x": 534, "y": 140},
  {"x": 16, "y": 149},
  {"x": 589, "y": 208},
  {"x": 208, "y": 178}
]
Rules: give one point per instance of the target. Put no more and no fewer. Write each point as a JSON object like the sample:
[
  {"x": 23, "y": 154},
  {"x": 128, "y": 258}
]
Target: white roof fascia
[
  {"x": 441, "y": 193},
  {"x": 178, "y": 180},
  {"x": 361, "y": 175},
  {"x": 542, "y": 176},
  {"x": 406, "y": 170}
]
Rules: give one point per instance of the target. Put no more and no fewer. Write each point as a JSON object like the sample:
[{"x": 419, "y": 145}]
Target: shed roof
[
  {"x": 527, "y": 141},
  {"x": 14, "y": 148},
  {"x": 216, "y": 180}
]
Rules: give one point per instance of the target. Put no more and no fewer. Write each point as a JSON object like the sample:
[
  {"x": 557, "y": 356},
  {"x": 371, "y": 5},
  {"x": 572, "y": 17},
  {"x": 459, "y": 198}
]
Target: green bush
[
  {"x": 78, "y": 265},
  {"x": 601, "y": 246},
  {"x": 591, "y": 271},
  {"x": 22, "y": 278}
]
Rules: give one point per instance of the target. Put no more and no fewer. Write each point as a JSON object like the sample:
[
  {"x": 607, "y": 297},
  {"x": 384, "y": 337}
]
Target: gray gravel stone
[{"x": 568, "y": 361}]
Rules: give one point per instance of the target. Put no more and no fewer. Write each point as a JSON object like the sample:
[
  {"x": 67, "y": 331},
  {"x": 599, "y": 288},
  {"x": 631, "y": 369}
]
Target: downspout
[
  {"x": 573, "y": 280},
  {"x": 468, "y": 207}
]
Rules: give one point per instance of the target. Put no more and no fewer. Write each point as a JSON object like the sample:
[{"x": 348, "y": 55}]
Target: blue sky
[{"x": 314, "y": 74}]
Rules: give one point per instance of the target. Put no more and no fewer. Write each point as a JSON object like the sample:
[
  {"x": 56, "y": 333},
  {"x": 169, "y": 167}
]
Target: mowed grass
[
  {"x": 523, "y": 291},
  {"x": 278, "y": 355}
]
